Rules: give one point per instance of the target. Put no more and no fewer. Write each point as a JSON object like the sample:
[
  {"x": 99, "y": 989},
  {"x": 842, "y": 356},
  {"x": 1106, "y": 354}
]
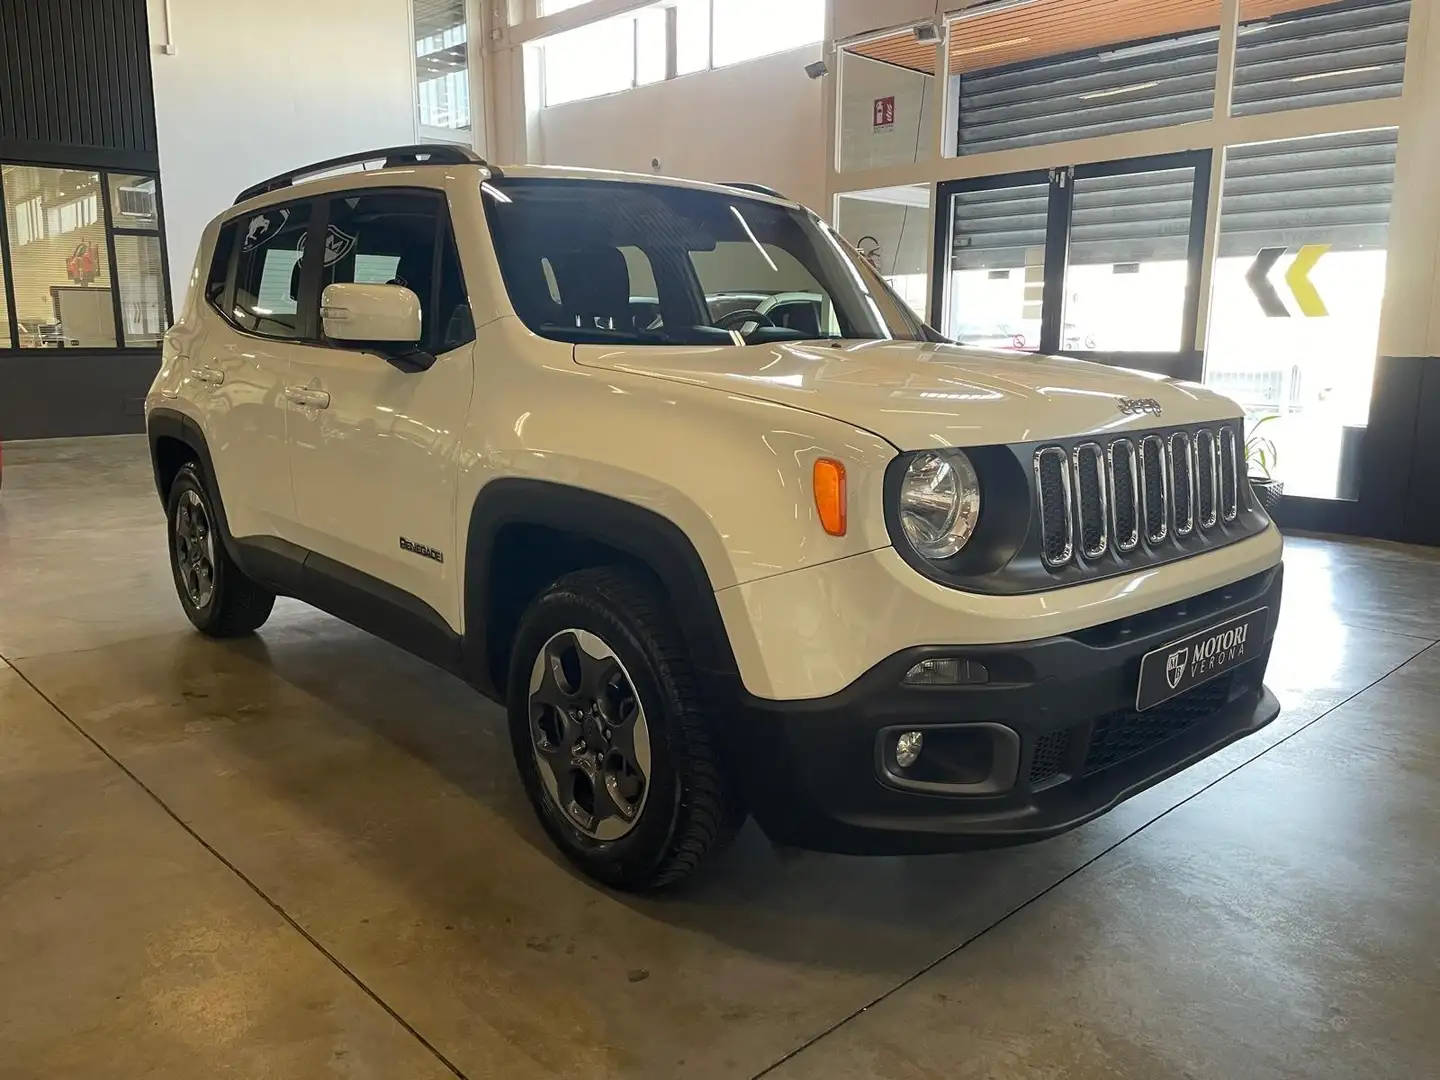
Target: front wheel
[
  {"x": 612, "y": 746},
  {"x": 217, "y": 596}
]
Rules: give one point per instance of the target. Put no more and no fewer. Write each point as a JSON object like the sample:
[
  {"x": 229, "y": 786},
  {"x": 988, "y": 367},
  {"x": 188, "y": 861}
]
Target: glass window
[
  {"x": 59, "y": 260},
  {"x": 1030, "y": 73},
  {"x": 1127, "y": 275},
  {"x": 1295, "y": 308},
  {"x": 718, "y": 264},
  {"x": 747, "y": 29},
  {"x": 140, "y": 272},
  {"x": 551, "y": 7},
  {"x": 651, "y": 45},
  {"x": 219, "y": 274},
  {"x": 134, "y": 203},
  {"x": 887, "y": 102},
  {"x": 1322, "y": 54},
  {"x": 5, "y": 341},
  {"x": 442, "y": 64},
  {"x": 692, "y": 36},
  {"x": 891, "y": 228},
  {"x": 997, "y": 266},
  {"x": 388, "y": 238},
  {"x": 590, "y": 61},
  {"x": 267, "y": 279}
]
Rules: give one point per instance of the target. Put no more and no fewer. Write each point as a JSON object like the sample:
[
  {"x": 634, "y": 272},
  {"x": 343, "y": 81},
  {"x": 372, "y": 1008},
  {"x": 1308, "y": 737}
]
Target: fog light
[
  {"x": 908, "y": 747},
  {"x": 947, "y": 671}
]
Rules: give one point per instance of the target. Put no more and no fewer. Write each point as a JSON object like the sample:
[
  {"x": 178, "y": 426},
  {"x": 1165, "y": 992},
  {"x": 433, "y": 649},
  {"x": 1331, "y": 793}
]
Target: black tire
[
  {"x": 233, "y": 605},
  {"x": 690, "y": 810}
]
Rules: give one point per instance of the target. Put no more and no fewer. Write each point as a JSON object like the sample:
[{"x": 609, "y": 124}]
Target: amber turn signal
[{"x": 828, "y": 478}]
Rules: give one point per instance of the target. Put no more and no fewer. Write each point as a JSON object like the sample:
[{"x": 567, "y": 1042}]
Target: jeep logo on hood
[{"x": 1135, "y": 406}]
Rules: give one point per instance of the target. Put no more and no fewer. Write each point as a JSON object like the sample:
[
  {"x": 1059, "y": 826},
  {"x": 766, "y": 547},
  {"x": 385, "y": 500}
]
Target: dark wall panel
[
  {"x": 75, "y": 83},
  {"x": 50, "y": 392}
]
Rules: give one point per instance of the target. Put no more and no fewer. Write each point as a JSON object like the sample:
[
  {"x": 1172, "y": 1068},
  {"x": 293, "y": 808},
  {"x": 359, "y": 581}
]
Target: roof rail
[
  {"x": 393, "y": 156},
  {"x": 761, "y": 188}
]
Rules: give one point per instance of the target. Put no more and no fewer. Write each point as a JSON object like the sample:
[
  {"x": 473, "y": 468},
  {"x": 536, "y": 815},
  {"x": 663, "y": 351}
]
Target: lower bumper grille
[{"x": 1120, "y": 735}]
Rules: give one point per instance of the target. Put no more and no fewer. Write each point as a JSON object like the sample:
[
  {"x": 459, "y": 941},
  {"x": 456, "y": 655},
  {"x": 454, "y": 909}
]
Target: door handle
[
  {"x": 304, "y": 395},
  {"x": 213, "y": 376}
]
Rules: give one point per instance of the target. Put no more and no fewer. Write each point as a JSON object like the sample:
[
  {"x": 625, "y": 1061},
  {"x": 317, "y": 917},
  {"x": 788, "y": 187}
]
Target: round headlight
[{"x": 939, "y": 503}]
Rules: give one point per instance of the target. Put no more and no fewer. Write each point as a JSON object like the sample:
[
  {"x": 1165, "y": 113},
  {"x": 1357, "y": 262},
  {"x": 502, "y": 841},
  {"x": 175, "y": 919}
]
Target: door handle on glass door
[
  {"x": 213, "y": 376},
  {"x": 304, "y": 395}
]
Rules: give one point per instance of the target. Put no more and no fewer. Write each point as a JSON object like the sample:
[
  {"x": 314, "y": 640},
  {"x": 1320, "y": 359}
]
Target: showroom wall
[
  {"x": 767, "y": 132},
  {"x": 253, "y": 89}
]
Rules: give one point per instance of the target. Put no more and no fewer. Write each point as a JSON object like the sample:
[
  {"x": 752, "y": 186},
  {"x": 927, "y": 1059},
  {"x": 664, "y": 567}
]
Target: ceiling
[{"x": 1030, "y": 31}]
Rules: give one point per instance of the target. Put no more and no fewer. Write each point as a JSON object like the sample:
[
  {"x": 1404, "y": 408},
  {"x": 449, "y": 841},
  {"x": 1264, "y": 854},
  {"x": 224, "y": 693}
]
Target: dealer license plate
[{"x": 1171, "y": 670}]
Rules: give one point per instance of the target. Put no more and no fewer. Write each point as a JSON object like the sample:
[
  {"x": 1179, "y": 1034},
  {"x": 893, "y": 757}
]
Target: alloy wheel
[
  {"x": 589, "y": 734},
  {"x": 195, "y": 549}
]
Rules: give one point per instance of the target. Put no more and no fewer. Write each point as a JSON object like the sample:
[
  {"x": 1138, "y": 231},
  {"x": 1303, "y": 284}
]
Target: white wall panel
[
  {"x": 759, "y": 121},
  {"x": 256, "y": 88}
]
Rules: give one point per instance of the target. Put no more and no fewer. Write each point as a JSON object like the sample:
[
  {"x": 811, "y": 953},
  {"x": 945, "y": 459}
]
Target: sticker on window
[
  {"x": 337, "y": 245},
  {"x": 265, "y": 227}
]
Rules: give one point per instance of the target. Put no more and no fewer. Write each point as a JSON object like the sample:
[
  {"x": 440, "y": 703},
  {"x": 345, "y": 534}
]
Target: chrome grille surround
[
  {"x": 1120, "y": 458},
  {"x": 1182, "y": 483},
  {"x": 1229, "y": 474},
  {"x": 1129, "y": 497},
  {"x": 1207, "y": 478},
  {"x": 1063, "y": 544},
  {"x": 1091, "y": 504},
  {"x": 1156, "y": 531}
]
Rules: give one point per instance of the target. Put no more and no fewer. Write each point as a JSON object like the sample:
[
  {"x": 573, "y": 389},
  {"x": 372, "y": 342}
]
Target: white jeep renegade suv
[{"x": 882, "y": 592}]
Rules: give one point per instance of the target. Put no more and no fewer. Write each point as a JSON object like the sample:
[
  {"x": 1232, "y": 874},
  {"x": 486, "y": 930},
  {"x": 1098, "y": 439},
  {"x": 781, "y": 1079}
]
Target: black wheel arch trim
[{"x": 640, "y": 533}]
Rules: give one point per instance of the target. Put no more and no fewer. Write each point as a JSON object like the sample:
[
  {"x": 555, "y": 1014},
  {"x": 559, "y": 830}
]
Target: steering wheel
[{"x": 743, "y": 316}]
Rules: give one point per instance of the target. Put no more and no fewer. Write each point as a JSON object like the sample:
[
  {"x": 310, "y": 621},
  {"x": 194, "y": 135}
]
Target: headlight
[{"x": 939, "y": 503}]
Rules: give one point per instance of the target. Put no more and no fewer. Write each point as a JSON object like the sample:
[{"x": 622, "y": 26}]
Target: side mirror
[{"x": 385, "y": 318}]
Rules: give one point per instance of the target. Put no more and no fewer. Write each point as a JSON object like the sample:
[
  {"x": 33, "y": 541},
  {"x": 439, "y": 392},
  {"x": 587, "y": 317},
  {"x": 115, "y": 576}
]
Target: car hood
[{"x": 919, "y": 395}]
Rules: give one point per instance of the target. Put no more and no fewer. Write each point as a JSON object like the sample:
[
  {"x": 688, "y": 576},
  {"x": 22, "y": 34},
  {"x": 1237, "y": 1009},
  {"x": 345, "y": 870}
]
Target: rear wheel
[
  {"x": 217, "y": 596},
  {"x": 612, "y": 746}
]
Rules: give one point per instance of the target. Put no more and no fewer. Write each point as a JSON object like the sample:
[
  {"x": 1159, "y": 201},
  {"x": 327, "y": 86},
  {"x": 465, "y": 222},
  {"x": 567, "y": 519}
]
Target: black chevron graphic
[{"x": 1258, "y": 278}]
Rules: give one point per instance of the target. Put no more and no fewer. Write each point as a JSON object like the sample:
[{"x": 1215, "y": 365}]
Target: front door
[{"x": 373, "y": 449}]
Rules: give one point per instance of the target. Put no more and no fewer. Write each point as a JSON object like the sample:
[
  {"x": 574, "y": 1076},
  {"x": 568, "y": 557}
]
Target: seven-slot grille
[{"x": 1106, "y": 497}]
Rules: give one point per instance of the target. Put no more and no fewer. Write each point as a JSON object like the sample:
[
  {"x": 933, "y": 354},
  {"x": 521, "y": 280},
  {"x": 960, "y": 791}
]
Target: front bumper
[{"x": 1057, "y": 715}]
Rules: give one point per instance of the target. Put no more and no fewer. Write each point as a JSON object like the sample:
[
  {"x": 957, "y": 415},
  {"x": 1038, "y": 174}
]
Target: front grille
[
  {"x": 1090, "y": 504},
  {"x": 1229, "y": 478},
  {"x": 1207, "y": 479},
  {"x": 1102, "y": 499},
  {"x": 1122, "y": 734},
  {"x": 1125, "y": 494},
  {"x": 1051, "y": 750},
  {"x": 1052, "y": 480}
]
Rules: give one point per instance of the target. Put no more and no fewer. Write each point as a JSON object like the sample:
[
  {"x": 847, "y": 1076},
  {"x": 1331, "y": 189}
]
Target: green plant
[{"x": 1260, "y": 454}]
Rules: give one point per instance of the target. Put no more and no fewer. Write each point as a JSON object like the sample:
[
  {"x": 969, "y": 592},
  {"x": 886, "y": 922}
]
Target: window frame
[
  {"x": 307, "y": 329},
  {"x": 10, "y": 325},
  {"x": 309, "y": 293}
]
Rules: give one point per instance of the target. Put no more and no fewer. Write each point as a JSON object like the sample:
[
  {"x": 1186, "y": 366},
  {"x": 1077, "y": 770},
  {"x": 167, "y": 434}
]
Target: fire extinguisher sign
[{"x": 884, "y": 113}]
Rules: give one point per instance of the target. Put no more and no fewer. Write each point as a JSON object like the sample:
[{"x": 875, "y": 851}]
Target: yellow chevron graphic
[{"x": 1298, "y": 278}]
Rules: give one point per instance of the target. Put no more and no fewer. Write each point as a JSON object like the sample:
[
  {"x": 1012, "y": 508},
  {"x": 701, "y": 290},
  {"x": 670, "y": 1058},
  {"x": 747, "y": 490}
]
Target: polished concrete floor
[{"x": 305, "y": 855}]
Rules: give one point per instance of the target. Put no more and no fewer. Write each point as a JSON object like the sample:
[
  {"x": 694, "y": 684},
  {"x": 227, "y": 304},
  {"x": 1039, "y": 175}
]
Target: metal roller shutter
[
  {"x": 1333, "y": 189},
  {"x": 1353, "y": 51}
]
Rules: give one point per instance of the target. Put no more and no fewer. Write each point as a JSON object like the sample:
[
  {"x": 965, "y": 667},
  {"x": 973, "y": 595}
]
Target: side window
[
  {"x": 267, "y": 276},
  {"x": 390, "y": 238},
  {"x": 220, "y": 265}
]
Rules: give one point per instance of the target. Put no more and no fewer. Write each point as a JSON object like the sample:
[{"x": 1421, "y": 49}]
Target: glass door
[{"x": 1099, "y": 261}]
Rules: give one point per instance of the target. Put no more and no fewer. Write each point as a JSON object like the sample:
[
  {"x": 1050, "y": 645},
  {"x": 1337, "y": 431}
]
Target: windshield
[{"x": 604, "y": 261}]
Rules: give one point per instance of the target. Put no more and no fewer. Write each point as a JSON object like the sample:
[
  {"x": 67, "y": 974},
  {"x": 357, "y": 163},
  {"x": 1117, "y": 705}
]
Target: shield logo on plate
[{"x": 1175, "y": 666}]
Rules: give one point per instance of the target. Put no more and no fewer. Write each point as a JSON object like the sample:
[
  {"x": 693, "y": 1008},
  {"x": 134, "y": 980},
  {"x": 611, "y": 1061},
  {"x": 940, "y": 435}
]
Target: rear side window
[
  {"x": 401, "y": 238},
  {"x": 220, "y": 265},
  {"x": 267, "y": 274}
]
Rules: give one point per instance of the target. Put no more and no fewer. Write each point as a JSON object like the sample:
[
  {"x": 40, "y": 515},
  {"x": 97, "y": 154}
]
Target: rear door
[
  {"x": 239, "y": 368},
  {"x": 373, "y": 449}
]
